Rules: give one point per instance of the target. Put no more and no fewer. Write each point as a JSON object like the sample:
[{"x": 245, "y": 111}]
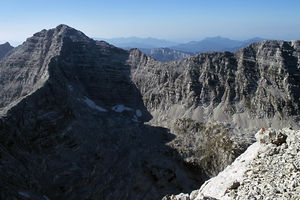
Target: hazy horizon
[
  {"x": 172, "y": 20},
  {"x": 16, "y": 43}
]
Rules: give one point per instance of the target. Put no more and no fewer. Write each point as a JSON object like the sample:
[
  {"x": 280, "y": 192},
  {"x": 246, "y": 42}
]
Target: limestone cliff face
[
  {"x": 81, "y": 119},
  {"x": 258, "y": 86},
  {"x": 221, "y": 96},
  {"x": 269, "y": 168},
  {"x": 259, "y": 82}
]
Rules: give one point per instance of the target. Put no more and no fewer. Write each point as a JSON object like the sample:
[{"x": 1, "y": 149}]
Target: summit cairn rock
[{"x": 270, "y": 137}]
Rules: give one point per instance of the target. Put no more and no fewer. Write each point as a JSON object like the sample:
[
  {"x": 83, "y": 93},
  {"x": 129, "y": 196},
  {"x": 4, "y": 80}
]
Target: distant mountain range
[
  {"x": 136, "y": 42},
  {"x": 166, "y": 54},
  {"x": 208, "y": 44},
  {"x": 219, "y": 44},
  {"x": 164, "y": 50}
]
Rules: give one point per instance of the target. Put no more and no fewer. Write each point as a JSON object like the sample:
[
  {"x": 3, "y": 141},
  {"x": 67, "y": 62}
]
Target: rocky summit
[
  {"x": 4, "y": 49},
  {"x": 82, "y": 119}
]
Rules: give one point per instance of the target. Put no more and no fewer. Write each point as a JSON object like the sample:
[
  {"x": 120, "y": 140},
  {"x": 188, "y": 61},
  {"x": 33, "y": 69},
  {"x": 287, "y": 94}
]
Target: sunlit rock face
[
  {"x": 215, "y": 102},
  {"x": 269, "y": 168}
]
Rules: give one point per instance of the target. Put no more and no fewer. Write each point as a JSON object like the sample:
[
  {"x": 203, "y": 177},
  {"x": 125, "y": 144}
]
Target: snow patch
[
  {"x": 120, "y": 108},
  {"x": 135, "y": 119},
  {"x": 70, "y": 88},
  {"x": 45, "y": 197},
  {"x": 93, "y": 105},
  {"x": 24, "y": 194},
  {"x": 138, "y": 113}
]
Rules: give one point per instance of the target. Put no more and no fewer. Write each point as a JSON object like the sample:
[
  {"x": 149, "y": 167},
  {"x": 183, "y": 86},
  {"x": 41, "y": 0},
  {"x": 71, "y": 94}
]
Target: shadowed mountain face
[
  {"x": 81, "y": 119},
  {"x": 72, "y": 125},
  {"x": 4, "y": 49}
]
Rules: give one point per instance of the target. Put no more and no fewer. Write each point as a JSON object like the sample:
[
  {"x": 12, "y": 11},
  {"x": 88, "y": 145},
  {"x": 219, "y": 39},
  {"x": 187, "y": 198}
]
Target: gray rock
[
  {"x": 4, "y": 49},
  {"x": 239, "y": 93},
  {"x": 72, "y": 125},
  {"x": 251, "y": 176},
  {"x": 256, "y": 87},
  {"x": 272, "y": 137}
]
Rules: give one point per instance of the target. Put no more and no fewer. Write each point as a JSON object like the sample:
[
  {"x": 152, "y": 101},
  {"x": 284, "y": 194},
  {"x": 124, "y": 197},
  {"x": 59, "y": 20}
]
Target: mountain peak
[
  {"x": 6, "y": 44},
  {"x": 61, "y": 31},
  {"x": 37, "y": 53},
  {"x": 60, "y": 26},
  {"x": 4, "y": 49},
  {"x": 70, "y": 32}
]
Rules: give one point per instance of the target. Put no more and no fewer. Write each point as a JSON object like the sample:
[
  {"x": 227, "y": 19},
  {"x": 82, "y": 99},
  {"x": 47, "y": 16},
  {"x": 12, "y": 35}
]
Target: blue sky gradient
[{"x": 178, "y": 20}]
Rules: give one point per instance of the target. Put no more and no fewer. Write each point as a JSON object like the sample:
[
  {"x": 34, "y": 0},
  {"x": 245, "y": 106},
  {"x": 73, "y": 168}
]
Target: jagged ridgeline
[{"x": 82, "y": 119}]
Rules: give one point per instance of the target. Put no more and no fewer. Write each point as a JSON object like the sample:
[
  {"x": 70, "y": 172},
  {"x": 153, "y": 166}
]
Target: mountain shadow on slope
[{"x": 81, "y": 134}]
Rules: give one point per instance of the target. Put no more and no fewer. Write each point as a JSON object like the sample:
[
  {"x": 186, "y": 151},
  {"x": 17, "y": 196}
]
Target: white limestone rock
[{"x": 268, "y": 169}]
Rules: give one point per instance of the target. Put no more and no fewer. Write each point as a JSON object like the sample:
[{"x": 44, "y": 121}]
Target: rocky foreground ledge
[{"x": 268, "y": 169}]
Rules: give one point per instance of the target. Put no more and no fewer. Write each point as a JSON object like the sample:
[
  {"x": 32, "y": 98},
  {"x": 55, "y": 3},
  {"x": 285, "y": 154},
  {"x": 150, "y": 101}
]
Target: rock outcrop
[
  {"x": 4, "y": 49},
  {"x": 82, "y": 119},
  {"x": 268, "y": 169}
]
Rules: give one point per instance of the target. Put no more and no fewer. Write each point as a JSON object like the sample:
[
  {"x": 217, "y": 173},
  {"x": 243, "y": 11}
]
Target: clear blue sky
[{"x": 180, "y": 20}]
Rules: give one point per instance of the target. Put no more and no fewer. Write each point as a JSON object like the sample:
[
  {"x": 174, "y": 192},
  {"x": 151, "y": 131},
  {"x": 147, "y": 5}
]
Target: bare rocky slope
[
  {"x": 81, "y": 119},
  {"x": 269, "y": 169}
]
